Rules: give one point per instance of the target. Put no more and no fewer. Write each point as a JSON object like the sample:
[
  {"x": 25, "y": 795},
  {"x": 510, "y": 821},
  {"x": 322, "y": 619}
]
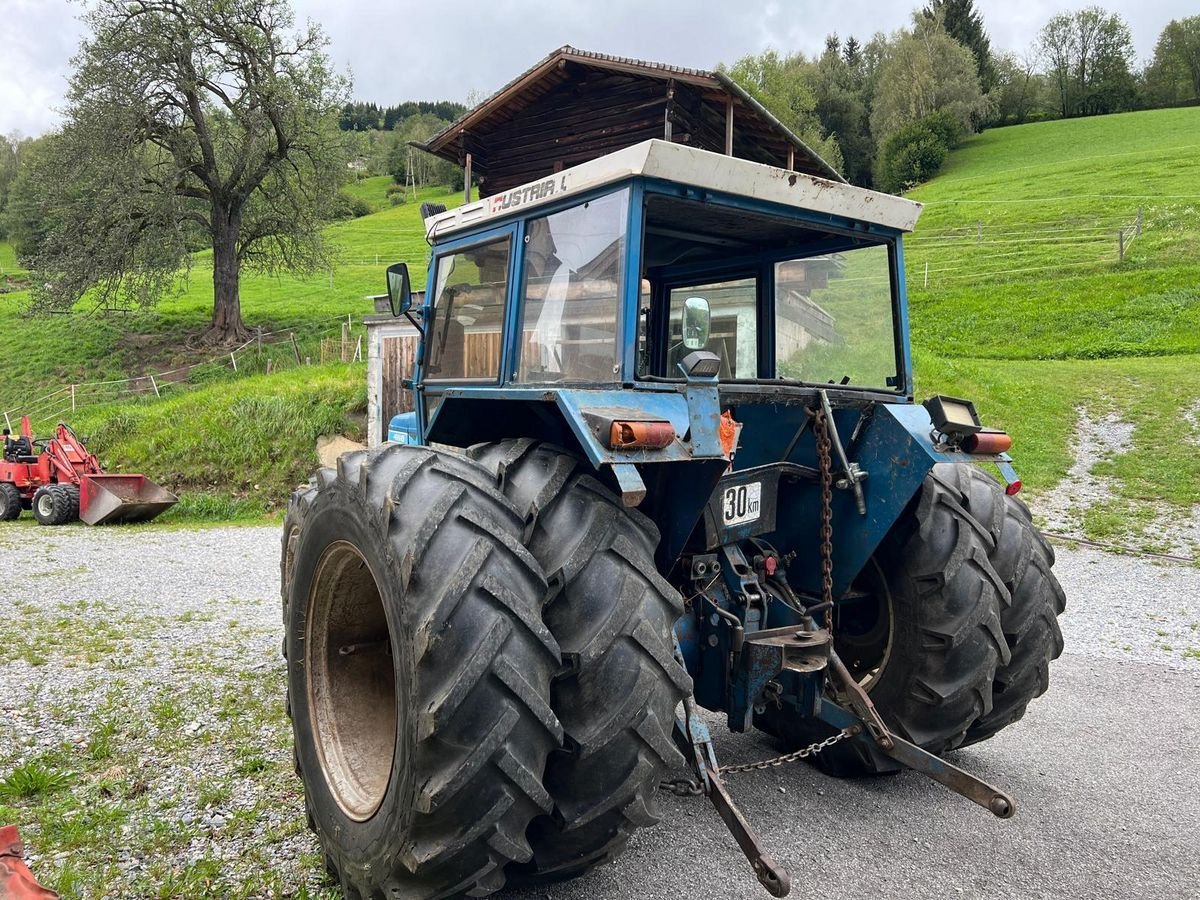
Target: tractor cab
[{"x": 622, "y": 308}]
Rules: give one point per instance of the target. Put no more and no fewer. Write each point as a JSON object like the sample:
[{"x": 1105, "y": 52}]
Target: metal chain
[
  {"x": 825, "y": 466},
  {"x": 842, "y": 735},
  {"x": 687, "y": 787}
]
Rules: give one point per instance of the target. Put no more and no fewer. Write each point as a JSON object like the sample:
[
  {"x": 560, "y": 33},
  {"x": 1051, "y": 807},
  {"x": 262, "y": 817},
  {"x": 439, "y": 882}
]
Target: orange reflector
[
  {"x": 987, "y": 442},
  {"x": 1013, "y": 488},
  {"x": 641, "y": 435}
]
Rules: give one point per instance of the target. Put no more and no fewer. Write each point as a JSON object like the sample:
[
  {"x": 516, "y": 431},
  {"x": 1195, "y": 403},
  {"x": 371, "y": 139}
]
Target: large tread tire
[
  {"x": 613, "y": 616},
  {"x": 947, "y": 642},
  {"x": 10, "y": 502},
  {"x": 51, "y": 505},
  {"x": 72, "y": 492},
  {"x": 471, "y": 664},
  {"x": 1023, "y": 559}
]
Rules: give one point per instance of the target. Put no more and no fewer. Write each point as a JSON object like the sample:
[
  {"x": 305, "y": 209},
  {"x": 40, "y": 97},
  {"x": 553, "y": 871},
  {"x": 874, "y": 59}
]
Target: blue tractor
[{"x": 664, "y": 458}]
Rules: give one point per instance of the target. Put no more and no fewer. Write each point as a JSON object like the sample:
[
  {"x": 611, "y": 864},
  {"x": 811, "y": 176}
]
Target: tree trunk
[{"x": 227, "y": 304}]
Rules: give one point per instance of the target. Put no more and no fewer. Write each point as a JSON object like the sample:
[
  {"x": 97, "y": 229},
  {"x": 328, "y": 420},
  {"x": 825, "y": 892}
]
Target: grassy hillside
[
  {"x": 1020, "y": 239},
  {"x": 60, "y": 349}
]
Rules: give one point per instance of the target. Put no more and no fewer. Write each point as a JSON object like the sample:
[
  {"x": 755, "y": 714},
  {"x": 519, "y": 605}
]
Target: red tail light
[{"x": 1013, "y": 488}]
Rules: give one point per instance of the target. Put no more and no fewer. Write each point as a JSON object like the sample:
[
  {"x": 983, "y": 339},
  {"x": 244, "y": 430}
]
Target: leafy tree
[
  {"x": 11, "y": 150},
  {"x": 923, "y": 71},
  {"x": 1019, "y": 89},
  {"x": 783, "y": 85},
  {"x": 188, "y": 121},
  {"x": 1174, "y": 73},
  {"x": 1088, "y": 54},
  {"x": 25, "y": 223},
  {"x": 963, "y": 22},
  {"x": 838, "y": 87}
]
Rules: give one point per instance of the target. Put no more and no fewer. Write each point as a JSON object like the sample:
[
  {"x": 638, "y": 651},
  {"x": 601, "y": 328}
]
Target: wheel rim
[
  {"x": 45, "y": 506},
  {"x": 351, "y": 681},
  {"x": 865, "y": 627}
]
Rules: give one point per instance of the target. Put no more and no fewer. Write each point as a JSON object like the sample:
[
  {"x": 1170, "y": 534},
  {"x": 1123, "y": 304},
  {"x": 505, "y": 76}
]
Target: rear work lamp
[{"x": 953, "y": 417}]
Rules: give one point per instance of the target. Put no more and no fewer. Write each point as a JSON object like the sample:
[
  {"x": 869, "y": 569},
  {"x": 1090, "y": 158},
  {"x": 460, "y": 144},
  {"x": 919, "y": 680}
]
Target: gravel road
[{"x": 172, "y": 638}]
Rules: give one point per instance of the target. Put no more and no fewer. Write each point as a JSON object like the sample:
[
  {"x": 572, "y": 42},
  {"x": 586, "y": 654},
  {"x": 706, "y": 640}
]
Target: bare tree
[{"x": 189, "y": 123}]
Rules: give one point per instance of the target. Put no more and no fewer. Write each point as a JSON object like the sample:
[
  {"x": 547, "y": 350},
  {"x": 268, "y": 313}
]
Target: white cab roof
[{"x": 688, "y": 166}]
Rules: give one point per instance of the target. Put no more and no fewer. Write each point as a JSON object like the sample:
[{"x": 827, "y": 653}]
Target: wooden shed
[{"x": 574, "y": 106}]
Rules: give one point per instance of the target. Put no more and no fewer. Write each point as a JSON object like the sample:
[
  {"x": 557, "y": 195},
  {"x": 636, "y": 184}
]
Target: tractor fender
[
  {"x": 469, "y": 415},
  {"x": 897, "y": 451},
  {"x": 674, "y": 481}
]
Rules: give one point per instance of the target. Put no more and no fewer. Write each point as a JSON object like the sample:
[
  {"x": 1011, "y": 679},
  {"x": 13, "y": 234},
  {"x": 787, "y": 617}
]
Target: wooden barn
[{"x": 572, "y": 107}]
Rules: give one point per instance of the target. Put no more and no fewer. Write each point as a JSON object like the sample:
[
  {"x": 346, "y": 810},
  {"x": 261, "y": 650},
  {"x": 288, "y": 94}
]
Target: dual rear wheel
[{"x": 480, "y": 669}]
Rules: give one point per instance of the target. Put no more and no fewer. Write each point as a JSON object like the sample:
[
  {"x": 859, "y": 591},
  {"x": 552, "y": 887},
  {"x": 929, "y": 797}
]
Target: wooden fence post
[
  {"x": 345, "y": 340},
  {"x": 234, "y": 359},
  {"x": 72, "y": 398},
  {"x": 154, "y": 384},
  {"x": 295, "y": 347},
  {"x": 269, "y": 361}
]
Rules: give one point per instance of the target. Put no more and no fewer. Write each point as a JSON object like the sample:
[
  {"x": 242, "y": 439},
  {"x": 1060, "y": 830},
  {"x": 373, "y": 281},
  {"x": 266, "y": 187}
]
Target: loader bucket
[{"x": 105, "y": 499}]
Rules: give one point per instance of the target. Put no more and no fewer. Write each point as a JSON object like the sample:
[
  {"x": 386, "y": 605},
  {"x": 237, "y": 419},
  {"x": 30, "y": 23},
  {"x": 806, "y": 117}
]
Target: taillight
[
  {"x": 1013, "y": 488},
  {"x": 992, "y": 442},
  {"x": 641, "y": 435}
]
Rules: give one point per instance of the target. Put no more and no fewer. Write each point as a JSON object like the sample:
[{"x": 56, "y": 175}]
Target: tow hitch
[{"x": 855, "y": 717}]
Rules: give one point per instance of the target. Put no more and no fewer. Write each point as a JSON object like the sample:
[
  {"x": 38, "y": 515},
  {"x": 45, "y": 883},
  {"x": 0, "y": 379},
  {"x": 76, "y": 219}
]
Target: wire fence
[
  {"x": 264, "y": 353},
  {"x": 982, "y": 252}
]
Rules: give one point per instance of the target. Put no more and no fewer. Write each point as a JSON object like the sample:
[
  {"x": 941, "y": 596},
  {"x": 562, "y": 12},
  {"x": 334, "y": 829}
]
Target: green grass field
[{"x": 1020, "y": 238}]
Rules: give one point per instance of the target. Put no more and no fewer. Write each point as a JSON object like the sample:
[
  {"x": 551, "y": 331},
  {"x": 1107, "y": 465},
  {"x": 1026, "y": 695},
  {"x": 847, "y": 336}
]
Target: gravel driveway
[{"x": 142, "y": 716}]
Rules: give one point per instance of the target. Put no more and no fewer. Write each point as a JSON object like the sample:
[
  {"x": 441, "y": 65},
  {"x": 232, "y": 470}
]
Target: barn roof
[{"x": 574, "y": 106}]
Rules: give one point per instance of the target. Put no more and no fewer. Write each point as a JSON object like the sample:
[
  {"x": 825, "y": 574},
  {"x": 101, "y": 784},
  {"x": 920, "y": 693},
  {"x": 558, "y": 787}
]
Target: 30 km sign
[{"x": 742, "y": 503}]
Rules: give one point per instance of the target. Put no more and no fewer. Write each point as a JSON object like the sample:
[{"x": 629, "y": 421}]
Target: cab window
[
  {"x": 574, "y": 266},
  {"x": 465, "y": 330}
]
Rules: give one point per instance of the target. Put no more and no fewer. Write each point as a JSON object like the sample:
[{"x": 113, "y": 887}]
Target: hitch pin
[{"x": 854, "y": 474}]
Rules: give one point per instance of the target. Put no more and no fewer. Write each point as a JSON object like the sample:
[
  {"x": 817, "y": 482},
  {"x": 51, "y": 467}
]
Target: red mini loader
[{"x": 61, "y": 481}]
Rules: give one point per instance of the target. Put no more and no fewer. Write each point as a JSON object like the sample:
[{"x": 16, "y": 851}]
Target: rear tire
[
  {"x": 418, "y": 673},
  {"x": 1023, "y": 560},
  {"x": 613, "y": 616},
  {"x": 51, "y": 505},
  {"x": 10, "y": 502},
  {"x": 944, "y": 644}
]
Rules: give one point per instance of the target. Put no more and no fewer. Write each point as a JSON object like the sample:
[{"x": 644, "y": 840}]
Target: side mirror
[
  {"x": 696, "y": 323},
  {"x": 398, "y": 288}
]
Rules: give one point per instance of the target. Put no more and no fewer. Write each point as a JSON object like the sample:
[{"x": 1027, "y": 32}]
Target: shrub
[
  {"x": 913, "y": 154},
  {"x": 948, "y": 128}
]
